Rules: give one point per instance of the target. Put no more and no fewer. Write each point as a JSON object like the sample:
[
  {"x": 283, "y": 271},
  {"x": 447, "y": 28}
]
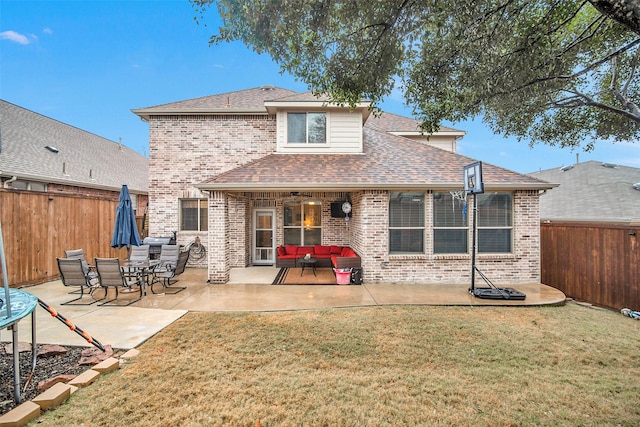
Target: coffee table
[{"x": 308, "y": 262}]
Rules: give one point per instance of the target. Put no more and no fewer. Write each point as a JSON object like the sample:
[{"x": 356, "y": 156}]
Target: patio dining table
[{"x": 142, "y": 270}]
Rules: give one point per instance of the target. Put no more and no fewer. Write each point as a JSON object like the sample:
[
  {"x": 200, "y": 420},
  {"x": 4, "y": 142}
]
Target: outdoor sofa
[{"x": 327, "y": 256}]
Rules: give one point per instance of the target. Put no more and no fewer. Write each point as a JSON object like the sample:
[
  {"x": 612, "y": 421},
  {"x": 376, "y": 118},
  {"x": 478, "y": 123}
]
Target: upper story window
[
  {"x": 194, "y": 214},
  {"x": 307, "y": 128}
]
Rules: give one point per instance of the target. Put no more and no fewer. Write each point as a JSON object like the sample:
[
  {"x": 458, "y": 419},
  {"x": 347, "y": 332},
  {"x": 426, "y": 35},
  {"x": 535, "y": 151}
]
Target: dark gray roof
[
  {"x": 591, "y": 191},
  {"x": 388, "y": 162},
  {"x": 82, "y": 159}
]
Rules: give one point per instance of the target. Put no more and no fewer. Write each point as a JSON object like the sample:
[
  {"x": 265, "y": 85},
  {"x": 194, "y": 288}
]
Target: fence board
[
  {"x": 593, "y": 262},
  {"x": 38, "y": 227}
]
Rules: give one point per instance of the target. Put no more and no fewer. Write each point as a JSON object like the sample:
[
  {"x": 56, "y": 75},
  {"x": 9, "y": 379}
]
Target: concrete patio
[{"x": 248, "y": 290}]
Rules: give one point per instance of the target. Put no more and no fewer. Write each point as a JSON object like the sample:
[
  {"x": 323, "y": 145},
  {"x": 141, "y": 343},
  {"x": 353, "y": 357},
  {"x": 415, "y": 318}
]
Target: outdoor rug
[{"x": 291, "y": 276}]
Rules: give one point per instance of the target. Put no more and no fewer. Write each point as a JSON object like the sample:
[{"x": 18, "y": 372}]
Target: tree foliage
[{"x": 562, "y": 72}]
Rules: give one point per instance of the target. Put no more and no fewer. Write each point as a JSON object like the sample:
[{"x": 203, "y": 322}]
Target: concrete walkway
[{"x": 249, "y": 289}]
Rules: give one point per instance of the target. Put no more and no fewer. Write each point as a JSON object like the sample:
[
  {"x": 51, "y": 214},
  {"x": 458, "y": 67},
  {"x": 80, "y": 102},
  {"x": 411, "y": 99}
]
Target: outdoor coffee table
[{"x": 308, "y": 262}]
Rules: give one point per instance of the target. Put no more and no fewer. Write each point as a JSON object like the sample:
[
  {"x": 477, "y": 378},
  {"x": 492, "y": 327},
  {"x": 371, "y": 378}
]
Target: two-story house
[{"x": 251, "y": 170}]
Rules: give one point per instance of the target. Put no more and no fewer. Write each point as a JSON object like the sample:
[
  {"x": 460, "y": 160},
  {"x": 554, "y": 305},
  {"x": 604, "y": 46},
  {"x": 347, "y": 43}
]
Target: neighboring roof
[
  {"x": 591, "y": 191},
  {"x": 82, "y": 159},
  {"x": 248, "y": 101},
  {"x": 388, "y": 162},
  {"x": 401, "y": 125}
]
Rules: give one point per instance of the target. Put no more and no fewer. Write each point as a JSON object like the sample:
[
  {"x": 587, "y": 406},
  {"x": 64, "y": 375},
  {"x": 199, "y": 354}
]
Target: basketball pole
[{"x": 473, "y": 245}]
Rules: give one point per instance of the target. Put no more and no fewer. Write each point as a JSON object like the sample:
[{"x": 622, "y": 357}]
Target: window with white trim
[
  {"x": 450, "y": 224},
  {"x": 307, "y": 128},
  {"x": 302, "y": 222},
  {"x": 495, "y": 222},
  {"x": 194, "y": 215},
  {"x": 406, "y": 223}
]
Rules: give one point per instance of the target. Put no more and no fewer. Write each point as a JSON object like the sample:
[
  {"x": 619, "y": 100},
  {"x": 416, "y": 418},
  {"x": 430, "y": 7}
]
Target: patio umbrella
[{"x": 125, "y": 231}]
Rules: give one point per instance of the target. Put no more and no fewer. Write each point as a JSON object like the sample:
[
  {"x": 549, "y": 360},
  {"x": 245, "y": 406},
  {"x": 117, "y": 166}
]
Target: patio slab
[{"x": 249, "y": 289}]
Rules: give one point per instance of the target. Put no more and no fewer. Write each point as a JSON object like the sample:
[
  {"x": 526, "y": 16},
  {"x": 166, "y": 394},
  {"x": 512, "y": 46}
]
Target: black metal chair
[
  {"x": 164, "y": 273},
  {"x": 73, "y": 275},
  {"x": 111, "y": 275}
]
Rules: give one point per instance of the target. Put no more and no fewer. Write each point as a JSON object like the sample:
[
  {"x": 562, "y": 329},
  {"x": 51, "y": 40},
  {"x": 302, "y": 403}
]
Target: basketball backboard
[{"x": 473, "y": 183}]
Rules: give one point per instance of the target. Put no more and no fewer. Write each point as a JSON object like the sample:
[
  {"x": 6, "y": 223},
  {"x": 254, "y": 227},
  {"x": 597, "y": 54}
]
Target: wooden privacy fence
[
  {"x": 594, "y": 262},
  {"x": 38, "y": 227}
]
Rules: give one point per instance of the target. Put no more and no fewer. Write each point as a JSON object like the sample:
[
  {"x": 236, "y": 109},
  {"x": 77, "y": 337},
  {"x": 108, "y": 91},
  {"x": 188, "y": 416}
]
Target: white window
[
  {"x": 495, "y": 222},
  {"x": 406, "y": 223},
  {"x": 306, "y": 128},
  {"x": 450, "y": 225},
  {"x": 303, "y": 222},
  {"x": 194, "y": 214}
]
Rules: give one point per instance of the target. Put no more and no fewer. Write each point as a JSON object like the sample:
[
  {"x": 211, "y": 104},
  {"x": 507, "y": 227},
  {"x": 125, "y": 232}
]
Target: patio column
[{"x": 218, "y": 260}]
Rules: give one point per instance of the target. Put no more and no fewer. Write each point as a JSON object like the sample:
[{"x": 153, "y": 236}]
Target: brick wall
[
  {"x": 187, "y": 150},
  {"x": 371, "y": 237}
]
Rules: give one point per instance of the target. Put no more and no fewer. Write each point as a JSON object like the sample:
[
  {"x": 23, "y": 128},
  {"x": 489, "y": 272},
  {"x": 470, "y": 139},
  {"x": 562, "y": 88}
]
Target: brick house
[{"x": 251, "y": 170}]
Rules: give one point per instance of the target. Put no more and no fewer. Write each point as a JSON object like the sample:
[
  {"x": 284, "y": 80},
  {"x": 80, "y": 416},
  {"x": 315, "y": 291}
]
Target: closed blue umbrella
[{"x": 125, "y": 231}]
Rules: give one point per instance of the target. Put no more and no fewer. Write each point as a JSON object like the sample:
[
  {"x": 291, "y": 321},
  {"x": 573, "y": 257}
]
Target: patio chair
[
  {"x": 165, "y": 274},
  {"x": 79, "y": 254},
  {"x": 73, "y": 275},
  {"x": 111, "y": 276},
  {"x": 138, "y": 254}
]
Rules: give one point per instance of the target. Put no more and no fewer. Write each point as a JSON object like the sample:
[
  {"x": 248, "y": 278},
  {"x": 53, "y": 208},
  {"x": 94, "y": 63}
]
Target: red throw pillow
[
  {"x": 291, "y": 249},
  {"x": 281, "y": 251},
  {"x": 321, "y": 250},
  {"x": 336, "y": 250}
]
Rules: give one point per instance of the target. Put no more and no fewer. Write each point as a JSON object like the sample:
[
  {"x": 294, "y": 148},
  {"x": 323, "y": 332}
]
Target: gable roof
[
  {"x": 388, "y": 162},
  {"x": 76, "y": 157},
  {"x": 591, "y": 191},
  {"x": 248, "y": 101}
]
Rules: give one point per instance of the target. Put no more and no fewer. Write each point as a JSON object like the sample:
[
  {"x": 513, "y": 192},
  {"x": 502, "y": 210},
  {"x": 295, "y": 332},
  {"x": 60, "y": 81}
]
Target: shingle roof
[
  {"x": 390, "y": 122},
  {"x": 387, "y": 162},
  {"x": 590, "y": 191},
  {"x": 246, "y": 101},
  {"x": 83, "y": 159}
]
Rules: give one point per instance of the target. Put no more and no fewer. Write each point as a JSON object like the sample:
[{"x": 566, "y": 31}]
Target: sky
[{"x": 89, "y": 63}]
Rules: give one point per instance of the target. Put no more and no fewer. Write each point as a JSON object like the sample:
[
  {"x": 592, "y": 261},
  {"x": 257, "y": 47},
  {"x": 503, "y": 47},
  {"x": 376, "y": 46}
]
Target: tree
[{"x": 561, "y": 72}]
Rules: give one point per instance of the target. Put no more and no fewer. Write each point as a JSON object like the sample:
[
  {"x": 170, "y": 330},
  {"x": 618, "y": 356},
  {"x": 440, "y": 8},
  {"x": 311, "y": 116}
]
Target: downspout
[{"x": 9, "y": 181}]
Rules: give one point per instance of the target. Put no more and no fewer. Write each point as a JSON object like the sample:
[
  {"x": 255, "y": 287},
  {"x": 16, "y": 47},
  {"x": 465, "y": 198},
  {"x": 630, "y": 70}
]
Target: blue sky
[{"x": 88, "y": 63}]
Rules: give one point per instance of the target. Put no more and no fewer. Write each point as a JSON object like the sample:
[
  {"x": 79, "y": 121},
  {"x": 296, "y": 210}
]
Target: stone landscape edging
[{"x": 60, "y": 392}]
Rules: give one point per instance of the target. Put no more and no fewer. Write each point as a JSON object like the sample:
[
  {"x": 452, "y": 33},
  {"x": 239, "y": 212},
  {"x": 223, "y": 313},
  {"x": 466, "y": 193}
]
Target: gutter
[
  {"x": 9, "y": 181},
  {"x": 287, "y": 187}
]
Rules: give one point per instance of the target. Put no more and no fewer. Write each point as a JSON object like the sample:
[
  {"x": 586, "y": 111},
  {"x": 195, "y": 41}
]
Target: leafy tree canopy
[{"x": 561, "y": 72}]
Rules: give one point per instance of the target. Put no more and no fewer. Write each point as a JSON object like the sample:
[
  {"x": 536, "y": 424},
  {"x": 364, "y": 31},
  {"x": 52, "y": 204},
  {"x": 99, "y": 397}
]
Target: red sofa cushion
[
  {"x": 281, "y": 251},
  {"x": 322, "y": 250},
  {"x": 291, "y": 249},
  {"x": 347, "y": 251},
  {"x": 303, "y": 250},
  {"x": 336, "y": 250}
]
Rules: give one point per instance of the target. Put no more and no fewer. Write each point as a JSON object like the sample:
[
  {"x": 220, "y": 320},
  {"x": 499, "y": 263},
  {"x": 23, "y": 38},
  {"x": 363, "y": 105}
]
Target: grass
[{"x": 379, "y": 366}]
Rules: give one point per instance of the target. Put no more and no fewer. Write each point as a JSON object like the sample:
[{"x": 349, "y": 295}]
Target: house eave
[
  {"x": 71, "y": 182},
  {"x": 328, "y": 186},
  {"x": 273, "y": 106},
  {"x": 146, "y": 113}
]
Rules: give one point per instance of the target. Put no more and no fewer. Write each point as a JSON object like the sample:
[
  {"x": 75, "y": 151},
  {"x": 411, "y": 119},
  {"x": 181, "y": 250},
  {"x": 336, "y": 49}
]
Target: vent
[
  {"x": 636, "y": 186},
  {"x": 566, "y": 168},
  {"x": 51, "y": 148},
  {"x": 610, "y": 165}
]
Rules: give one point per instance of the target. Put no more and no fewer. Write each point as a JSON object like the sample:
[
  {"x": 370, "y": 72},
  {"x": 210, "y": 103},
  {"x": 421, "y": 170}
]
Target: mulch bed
[{"x": 46, "y": 367}]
